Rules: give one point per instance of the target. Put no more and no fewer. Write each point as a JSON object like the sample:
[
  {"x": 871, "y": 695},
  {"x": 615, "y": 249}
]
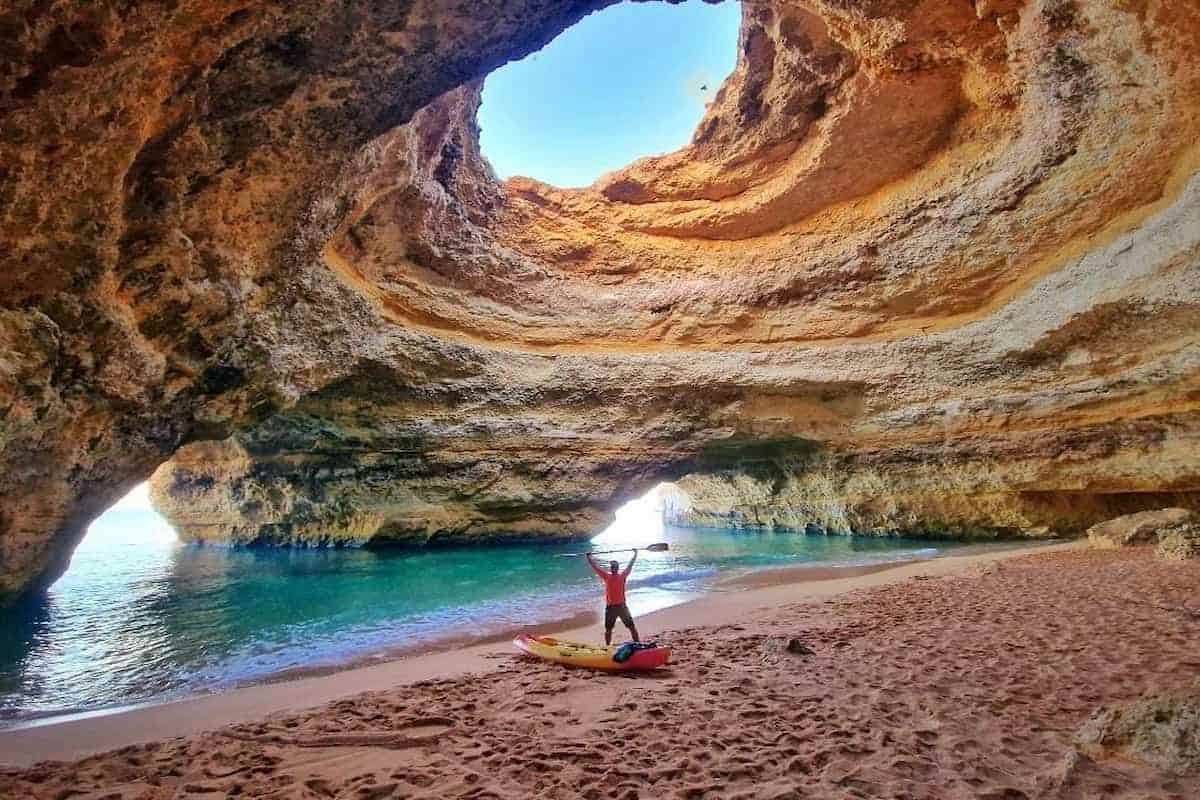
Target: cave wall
[
  {"x": 950, "y": 245},
  {"x": 168, "y": 175},
  {"x": 1018, "y": 485}
]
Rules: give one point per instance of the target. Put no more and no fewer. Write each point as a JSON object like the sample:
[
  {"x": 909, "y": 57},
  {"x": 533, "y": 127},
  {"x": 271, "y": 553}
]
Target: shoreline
[
  {"x": 740, "y": 581},
  {"x": 459, "y": 639},
  {"x": 64, "y": 737}
]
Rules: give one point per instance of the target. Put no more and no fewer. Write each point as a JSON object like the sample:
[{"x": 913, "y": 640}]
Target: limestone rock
[
  {"x": 1162, "y": 730},
  {"x": 222, "y": 493},
  {"x": 1141, "y": 528},
  {"x": 1179, "y": 543},
  {"x": 907, "y": 491},
  {"x": 924, "y": 267}
]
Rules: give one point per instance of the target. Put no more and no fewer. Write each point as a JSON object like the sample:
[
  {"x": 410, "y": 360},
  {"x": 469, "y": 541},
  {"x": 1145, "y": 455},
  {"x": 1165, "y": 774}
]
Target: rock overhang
[{"x": 916, "y": 233}]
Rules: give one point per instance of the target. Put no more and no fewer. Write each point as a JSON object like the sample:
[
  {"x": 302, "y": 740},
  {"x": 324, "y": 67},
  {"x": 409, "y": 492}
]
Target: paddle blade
[{"x": 659, "y": 547}]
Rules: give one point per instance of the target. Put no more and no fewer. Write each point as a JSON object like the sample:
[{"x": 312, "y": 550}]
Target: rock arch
[{"x": 947, "y": 247}]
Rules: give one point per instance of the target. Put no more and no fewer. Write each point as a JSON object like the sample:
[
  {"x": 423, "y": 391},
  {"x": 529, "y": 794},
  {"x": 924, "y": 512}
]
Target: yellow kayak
[{"x": 590, "y": 656}]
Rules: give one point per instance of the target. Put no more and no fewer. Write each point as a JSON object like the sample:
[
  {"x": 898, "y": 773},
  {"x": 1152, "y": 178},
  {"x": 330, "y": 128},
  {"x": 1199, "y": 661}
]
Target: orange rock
[{"x": 949, "y": 246}]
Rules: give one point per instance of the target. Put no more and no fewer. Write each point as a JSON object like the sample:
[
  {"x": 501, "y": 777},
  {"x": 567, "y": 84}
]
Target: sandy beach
[{"x": 965, "y": 676}]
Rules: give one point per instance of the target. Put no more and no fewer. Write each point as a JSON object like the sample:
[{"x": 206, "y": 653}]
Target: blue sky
[{"x": 623, "y": 83}]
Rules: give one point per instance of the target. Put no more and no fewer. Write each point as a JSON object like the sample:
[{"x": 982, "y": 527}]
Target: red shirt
[{"x": 614, "y": 587}]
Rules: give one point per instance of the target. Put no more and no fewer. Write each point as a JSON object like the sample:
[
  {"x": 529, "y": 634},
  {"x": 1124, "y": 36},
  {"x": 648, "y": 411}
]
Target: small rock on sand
[
  {"x": 1162, "y": 730},
  {"x": 1179, "y": 544},
  {"x": 798, "y": 647}
]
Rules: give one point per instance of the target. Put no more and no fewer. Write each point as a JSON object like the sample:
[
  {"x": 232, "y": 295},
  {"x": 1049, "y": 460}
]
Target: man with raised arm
[{"x": 614, "y": 596}]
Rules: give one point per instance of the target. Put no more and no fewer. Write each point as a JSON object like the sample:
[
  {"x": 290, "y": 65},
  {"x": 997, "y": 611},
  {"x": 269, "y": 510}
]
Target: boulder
[
  {"x": 1162, "y": 730},
  {"x": 1179, "y": 544},
  {"x": 1142, "y": 528}
]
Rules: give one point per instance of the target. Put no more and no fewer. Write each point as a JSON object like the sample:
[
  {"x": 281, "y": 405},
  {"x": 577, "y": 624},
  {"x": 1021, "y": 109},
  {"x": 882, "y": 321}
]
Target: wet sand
[{"x": 964, "y": 676}]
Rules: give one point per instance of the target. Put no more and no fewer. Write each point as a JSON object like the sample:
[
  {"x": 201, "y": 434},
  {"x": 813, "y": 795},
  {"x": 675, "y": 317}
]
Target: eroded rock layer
[{"x": 926, "y": 265}]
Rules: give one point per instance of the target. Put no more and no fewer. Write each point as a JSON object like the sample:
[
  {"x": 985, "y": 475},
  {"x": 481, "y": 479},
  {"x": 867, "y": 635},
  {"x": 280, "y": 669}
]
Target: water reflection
[{"x": 24, "y": 634}]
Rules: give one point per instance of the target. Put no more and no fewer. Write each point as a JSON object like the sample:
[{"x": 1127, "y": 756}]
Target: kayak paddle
[{"x": 658, "y": 547}]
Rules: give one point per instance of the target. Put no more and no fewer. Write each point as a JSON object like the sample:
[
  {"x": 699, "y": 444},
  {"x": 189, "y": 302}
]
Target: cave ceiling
[{"x": 949, "y": 246}]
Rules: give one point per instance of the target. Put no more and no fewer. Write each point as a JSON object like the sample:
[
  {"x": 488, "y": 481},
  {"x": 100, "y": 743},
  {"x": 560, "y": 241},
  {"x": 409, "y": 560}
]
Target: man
[{"x": 614, "y": 596}]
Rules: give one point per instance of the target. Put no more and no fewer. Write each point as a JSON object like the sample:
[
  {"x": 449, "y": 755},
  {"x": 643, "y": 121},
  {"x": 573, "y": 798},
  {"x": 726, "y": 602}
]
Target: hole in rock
[
  {"x": 94, "y": 637},
  {"x": 128, "y": 542},
  {"x": 642, "y": 520},
  {"x": 630, "y": 81}
]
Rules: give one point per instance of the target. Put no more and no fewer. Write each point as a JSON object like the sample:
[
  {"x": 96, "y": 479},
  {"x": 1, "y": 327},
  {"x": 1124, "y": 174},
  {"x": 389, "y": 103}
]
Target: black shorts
[{"x": 613, "y": 613}]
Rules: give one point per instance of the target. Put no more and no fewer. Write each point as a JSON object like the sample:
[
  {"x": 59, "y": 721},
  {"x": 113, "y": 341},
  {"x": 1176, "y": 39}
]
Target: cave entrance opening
[
  {"x": 643, "y": 519},
  {"x": 129, "y": 536},
  {"x": 629, "y": 81}
]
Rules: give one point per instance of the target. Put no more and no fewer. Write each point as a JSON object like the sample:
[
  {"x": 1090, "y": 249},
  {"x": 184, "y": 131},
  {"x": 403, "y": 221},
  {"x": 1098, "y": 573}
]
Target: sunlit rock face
[{"x": 938, "y": 259}]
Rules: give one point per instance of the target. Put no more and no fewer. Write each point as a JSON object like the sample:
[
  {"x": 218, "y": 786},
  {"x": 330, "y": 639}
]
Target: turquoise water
[{"x": 140, "y": 617}]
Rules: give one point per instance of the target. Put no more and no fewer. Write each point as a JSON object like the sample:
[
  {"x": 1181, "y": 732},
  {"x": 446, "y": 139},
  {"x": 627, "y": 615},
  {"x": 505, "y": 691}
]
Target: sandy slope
[{"x": 966, "y": 679}]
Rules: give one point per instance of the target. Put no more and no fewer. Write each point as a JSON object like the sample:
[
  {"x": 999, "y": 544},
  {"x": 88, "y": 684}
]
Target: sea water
[{"x": 141, "y": 617}]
